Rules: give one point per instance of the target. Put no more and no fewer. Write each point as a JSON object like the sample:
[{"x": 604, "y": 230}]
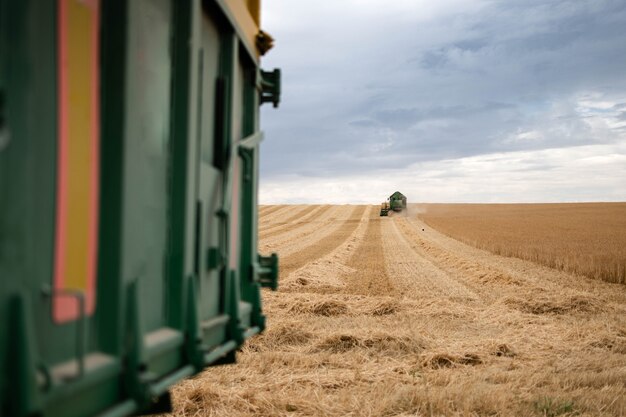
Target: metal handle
[
  {"x": 270, "y": 87},
  {"x": 81, "y": 322}
]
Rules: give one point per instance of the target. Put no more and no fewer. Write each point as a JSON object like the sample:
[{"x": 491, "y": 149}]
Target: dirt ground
[{"x": 385, "y": 316}]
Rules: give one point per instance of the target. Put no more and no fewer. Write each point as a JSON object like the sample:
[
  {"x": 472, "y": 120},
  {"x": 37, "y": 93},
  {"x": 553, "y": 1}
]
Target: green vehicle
[
  {"x": 129, "y": 153},
  {"x": 397, "y": 201}
]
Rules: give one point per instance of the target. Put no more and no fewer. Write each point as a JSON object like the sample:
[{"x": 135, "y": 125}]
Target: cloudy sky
[{"x": 446, "y": 101}]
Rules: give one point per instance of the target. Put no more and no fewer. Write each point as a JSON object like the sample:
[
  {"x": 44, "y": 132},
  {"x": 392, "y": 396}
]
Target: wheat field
[
  {"x": 387, "y": 316},
  {"x": 586, "y": 238}
]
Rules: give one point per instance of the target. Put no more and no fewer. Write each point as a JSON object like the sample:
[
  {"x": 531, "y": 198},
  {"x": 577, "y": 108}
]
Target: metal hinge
[
  {"x": 267, "y": 271},
  {"x": 270, "y": 87}
]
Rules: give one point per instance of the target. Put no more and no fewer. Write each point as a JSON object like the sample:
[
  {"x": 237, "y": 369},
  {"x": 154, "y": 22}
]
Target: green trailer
[{"x": 129, "y": 153}]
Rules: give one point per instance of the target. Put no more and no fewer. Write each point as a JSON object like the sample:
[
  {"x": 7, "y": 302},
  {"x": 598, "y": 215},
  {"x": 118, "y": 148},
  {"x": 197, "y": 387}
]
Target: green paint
[
  {"x": 397, "y": 201},
  {"x": 179, "y": 105}
]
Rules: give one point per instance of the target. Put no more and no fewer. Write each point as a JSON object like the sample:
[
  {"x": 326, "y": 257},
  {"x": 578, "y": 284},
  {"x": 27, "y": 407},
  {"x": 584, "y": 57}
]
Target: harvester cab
[{"x": 397, "y": 201}]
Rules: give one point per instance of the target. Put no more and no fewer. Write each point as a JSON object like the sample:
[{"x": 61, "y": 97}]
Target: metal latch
[
  {"x": 270, "y": 87},
  {"x": 267, "y": 271},
  {"x": 81, "y": 323}
]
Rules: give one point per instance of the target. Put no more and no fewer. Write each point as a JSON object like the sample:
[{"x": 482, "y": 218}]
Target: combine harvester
[{"x": 395, "y": 202}]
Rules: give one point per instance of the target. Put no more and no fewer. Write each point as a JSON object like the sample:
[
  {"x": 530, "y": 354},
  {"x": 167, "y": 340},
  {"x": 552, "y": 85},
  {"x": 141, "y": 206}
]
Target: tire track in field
[
  {"x": 287, "y": 243},
  {"x": 326, "y": 275},
  {"x": 412, "y": 274},
  {"x": 503, "y": 277},
  {"x": 293, "y": 213},
  {"x": 325, "y": 244},
  {"x": 274, "y": 215},
  {"x": 297, "y": 212},
  {"x": 264, "y": 209},
  {"x": 484, "y": 276},
  {"x": 331, "y": 345},
  {"x": 370, "y": 275},
  {"x": 267, "y": 210},
  {"x": 310, "y": 214},
  {"x": 469, "y": 269},
  {"x": 464, "y": 272}
]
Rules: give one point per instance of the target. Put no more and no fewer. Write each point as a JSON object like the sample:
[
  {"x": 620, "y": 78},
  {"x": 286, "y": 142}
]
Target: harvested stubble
[
  {"x": 426, "y": 326},
  {"x": 584, "y": 238},
  {"x": 335, "y": 304}
]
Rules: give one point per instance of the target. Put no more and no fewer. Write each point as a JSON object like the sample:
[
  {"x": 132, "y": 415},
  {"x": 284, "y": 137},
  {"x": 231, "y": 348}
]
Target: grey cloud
[
  {"x": 363, "y": 123},
  {"x": 434, "y": 59},
  {"x": 463, "y": 84},
  {"x": 471, "y": 45},
  {"x": 397, "y": 118}
]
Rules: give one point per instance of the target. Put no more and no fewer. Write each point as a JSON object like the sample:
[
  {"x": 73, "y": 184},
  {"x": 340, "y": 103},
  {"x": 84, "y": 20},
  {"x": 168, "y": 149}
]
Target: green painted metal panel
[
  {"x": 178, "y": 274},
  {"x": 28, "y": 163},
  {"x": 147, "y": 154},
  {"x": 181, "y": 212},
  {"x": 209, "y": 189},
  {"x": 111, "y": 291},
  {"x": 250, "y": 287},
  {"x": 209, "y": 193},
  {"x": 28, "y": 175},
  {"x": 90, "y": 401},
  {"x": 44, "y": 376}
]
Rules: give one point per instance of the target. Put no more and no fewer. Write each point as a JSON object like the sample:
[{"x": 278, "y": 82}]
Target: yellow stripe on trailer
[
  {"x": 245, "y": 15},
  {"x": 78, "y": 157},
  {"x": 254, "y": 6}
]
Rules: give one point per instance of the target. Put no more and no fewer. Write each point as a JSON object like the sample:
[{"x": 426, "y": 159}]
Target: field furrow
[
  {"x": 273, "y": 215},
  {"x": 466, "y": 272},
  {"x": 414, "y": 275},
  {"x": 267, "y": 210},
  {"x": 369, "y": 274},
  {"x": 386, "y": 316},
  {"x": 323, "y": 243},
  {"x": 498, "y": 276},
  {"x": 327, "y": 274},
  {"x": 583, "y": 238},
  {"x": 308, "y": 233},
  {"x": 294, "y": 212},
  {"x": 294, "y": 222}
]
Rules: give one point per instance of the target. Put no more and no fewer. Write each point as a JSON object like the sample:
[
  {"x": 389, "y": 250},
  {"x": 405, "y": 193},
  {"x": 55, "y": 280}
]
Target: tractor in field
[{"x": 395, "y": 202}]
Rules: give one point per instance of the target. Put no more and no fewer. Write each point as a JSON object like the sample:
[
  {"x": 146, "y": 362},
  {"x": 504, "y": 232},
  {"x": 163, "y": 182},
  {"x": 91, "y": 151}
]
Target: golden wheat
[
  {"x": 585, "y": 238},
  {"x": 388, "y": 317}
]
